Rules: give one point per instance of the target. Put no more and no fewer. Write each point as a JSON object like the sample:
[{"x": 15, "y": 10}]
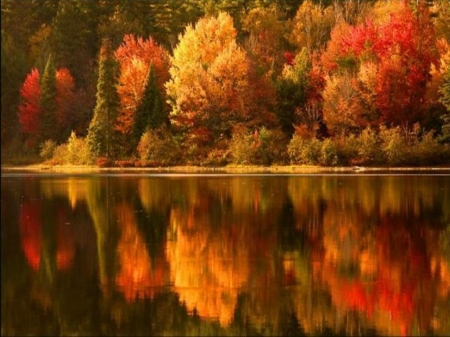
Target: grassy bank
[{"x": 229, "y": 169}]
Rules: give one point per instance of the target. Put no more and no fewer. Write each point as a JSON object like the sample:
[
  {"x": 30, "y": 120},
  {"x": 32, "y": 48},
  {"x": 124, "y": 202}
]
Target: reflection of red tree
[
  {"x": 65, "y": 241},
  {"x": 137, "y": 278},
  {"x": 30, "y": 233},
  {"x": 30, "y": 226},
  {"x": 396, "y": 294}
]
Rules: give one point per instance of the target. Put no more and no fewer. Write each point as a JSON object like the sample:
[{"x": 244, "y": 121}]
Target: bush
[
  {"x": 74, "y": 152},
  {"x": 393, "y": 146},
  {"x": 304, "y": 151},
  {"x": 328, "y": 153},
  {"x": 158, "y": 148},
  {"x": 47, "y": 149},
  {"x": 368, "y": 147},
  {"x": 104, "y": 162},
  {"x": 78, "y": 151},
  {"x": 217, "y": 157},
  {"x": 273, "y": 146},
  {"x": 261, "y": 147},
  {"x": 428, "y": 151}
]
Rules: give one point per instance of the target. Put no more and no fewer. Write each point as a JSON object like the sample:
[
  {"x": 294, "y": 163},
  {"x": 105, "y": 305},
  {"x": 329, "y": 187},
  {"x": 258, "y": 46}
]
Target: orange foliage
[
  {"x": 65, "y": 98},
  {"x": 135, "y": 56}
]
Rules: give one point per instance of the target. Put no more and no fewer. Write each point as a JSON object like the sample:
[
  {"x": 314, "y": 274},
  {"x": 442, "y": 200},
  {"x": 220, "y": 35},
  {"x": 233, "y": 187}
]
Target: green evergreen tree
[
  {"x": 101, "y": 134},
  {"x": 13, "y": 71},
  {"x": 48, "y": 102},
  {"x": 150, "y": 113},
  {"x": 292, "y": 88},
  {"x": 74, "y": 39},
  {"x": 445, "y": 99}
]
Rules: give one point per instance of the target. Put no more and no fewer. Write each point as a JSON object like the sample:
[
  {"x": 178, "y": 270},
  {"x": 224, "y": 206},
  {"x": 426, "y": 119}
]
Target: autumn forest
[{"x": 150, "y": 83}]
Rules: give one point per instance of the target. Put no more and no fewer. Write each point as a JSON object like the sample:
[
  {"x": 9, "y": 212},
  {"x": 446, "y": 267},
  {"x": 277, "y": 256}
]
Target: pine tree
[
  {"x": 150, "y": 113},
  {"x": 101, "y": 133},
  {"x": 445, "y": 99},
  {"x": 48, "y": 102}
]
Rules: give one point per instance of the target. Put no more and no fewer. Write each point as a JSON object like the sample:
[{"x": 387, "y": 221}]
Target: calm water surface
[{"x": 225, "y": 255}]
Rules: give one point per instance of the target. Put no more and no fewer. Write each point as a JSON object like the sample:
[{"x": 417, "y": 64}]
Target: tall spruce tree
[
  {"x": 445, "y": 99},
  {"x": 102, "y": 134},
  {"x": 48, "y": 103},
  {"x": 150, "y": 113}
]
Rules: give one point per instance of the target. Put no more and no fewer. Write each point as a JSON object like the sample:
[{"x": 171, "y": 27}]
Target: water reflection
[{"x": 226, "y": 255}]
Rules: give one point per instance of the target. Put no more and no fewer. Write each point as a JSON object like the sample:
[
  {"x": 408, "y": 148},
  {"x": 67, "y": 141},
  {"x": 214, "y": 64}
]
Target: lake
[{"x": 235, "y": 255}]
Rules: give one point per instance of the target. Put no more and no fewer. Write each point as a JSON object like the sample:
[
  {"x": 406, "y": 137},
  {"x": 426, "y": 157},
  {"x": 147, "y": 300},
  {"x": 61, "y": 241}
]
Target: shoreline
[{"x": 230, "y": 169}]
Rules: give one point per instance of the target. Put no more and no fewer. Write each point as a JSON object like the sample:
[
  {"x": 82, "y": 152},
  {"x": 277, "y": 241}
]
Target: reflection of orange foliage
[
  {"x": 441, "y": 268},
  {"x": 136, "y": 278},
  {"x": 65, "y": 243},
  {"x": 30, "y": 232},
  {"x": 207, "y": 266}
]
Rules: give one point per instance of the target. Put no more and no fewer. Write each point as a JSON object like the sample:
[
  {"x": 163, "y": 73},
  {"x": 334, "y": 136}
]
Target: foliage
[
  {"x": 348, "y": 66},
  {"x": 61, "y": 101},
  {"x": 158, "y": 148},
  {"x": 312, "y": 25},
  {"x": 65, "y": 100},
  {"x": 393, "y": 145},
  {"x": 210, "y": 88},
  {"x": 150, "y": 113},
  {"x": 78, "y": 152},
  {"x": 260, "y": 147},
  {"x": 29, "y": 108},
  {"x": 47, "y": 149},
  {"x": 102, "y": 135},
  {"x": 266, "y": 37},
  {"x": 292, "y": 92},
  {"x": 74, "y": 152},
  {"x": 328, "y": 153},
  {"x": 48, "y": 123},
  {"x": 143, "y": 69},
  {"x": 244, "y": 146},
  {"x": 369, "y": 147},
  {"x": 307, "y": 151},
  {"x": 402, "y": 48}
]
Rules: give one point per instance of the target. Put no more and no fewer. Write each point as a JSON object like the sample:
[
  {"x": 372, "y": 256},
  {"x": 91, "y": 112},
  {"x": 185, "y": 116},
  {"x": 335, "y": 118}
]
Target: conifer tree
[
  {"x": 445, "y": 99},
  {"x": 150, "y": 113},
  {"x": 48, "y": 102},
  {"x": 101, "y": 133}
]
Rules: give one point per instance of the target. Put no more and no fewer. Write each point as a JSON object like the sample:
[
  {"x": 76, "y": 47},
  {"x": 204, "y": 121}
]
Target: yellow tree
[
  {"x": 312, "y": 25},
  {"x": 266, "y": 37},
  {"x": 212, "y": 84}
]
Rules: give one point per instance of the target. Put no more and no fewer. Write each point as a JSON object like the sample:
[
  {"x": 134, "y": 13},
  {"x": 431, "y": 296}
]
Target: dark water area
[{"x": 231, "y": 255}]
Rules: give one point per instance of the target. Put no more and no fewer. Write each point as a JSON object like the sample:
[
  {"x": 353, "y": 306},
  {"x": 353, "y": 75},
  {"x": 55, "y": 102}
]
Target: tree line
[{"x": 147, "y": 83}]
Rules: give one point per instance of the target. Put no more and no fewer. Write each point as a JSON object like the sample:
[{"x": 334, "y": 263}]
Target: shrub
[
  {"x": 244, "y": 146},
  {"x": 273, "y": 146},
  {"x": 368, "y": 147},
  {"x": 347, "y": 149},
  {"x": 78, "y": 151},
  {"x": 158, "y": 148},
  {"x": 217, "y": 157},
  {"x": 328, "y": 153},
  {"x": 47, "y": 149},
  {"x": 60, "y": 155},
  {"x": 304, "y": 151},
  {"x": 429, "y": 151},
  {"x": 104, "y": 162},
  {"x": 393, "y": 146},
  {"x": 261, "y": 147}
]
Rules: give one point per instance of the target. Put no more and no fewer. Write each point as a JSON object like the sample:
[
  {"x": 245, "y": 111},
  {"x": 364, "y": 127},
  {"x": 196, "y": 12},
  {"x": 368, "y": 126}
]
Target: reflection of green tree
[{"x": 101, "y": 207}]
